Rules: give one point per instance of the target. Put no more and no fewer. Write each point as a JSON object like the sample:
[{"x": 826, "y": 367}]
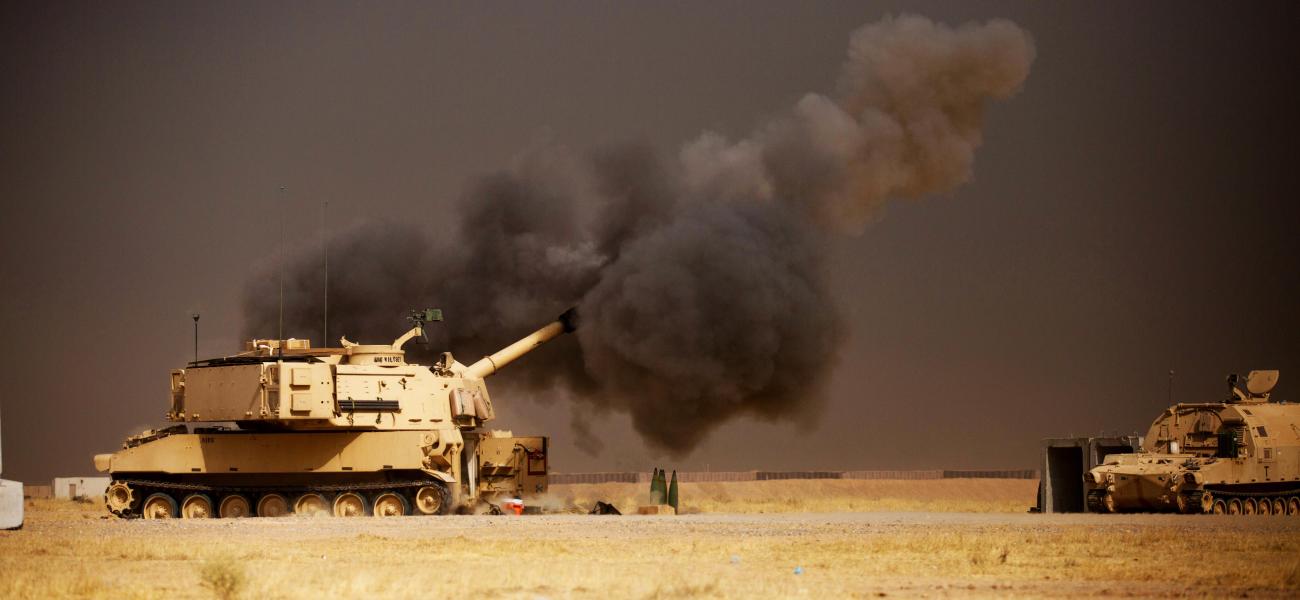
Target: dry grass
[
  {"x": 67, "y": 550},
  {"x": 820, "y": 495}
]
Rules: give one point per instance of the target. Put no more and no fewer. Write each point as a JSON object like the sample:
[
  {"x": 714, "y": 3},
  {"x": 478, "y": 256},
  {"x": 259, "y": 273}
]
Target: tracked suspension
[{"x": 139, "y": 498}]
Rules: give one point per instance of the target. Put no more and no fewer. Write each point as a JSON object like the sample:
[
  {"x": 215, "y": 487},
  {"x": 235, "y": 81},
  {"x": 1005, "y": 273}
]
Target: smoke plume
[{"x": 700, "y": 278}]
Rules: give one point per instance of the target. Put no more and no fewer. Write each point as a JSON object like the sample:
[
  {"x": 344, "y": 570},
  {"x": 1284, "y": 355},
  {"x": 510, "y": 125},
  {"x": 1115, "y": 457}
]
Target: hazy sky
[{"x": 1133, "y": 209}]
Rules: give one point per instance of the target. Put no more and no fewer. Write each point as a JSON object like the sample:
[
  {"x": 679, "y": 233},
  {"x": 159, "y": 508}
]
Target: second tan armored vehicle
[
  {"x": 346, "y": 431},
  {"x": 1241, "y": 455}
]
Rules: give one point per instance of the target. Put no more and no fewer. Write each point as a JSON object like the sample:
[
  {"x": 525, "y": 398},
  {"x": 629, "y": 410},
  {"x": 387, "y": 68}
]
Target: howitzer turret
[{"x": 347, "y": 430}]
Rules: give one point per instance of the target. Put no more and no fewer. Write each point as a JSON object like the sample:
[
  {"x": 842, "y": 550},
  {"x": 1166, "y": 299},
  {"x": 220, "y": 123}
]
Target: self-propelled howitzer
[
  {"x": 347, "y": 430},
  {"x": 1240, "y": 455}
]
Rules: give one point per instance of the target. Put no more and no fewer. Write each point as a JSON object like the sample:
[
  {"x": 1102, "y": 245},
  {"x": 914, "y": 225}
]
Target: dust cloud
[{"x": 701, "y": 278}]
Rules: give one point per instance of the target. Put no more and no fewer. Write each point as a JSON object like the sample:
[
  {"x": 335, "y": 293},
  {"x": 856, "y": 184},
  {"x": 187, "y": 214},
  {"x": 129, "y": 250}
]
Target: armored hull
[{"x": 344, "y": 431}]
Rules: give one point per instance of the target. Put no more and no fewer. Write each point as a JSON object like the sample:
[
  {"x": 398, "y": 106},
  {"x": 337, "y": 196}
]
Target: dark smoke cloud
[
  {"x": 701, "y": 280},
  {"x": 723, "y": 311}
]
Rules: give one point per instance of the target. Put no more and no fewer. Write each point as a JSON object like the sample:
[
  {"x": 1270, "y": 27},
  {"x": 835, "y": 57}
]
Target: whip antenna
[
  {"x": 325, "y": 249},
  {"x": 280, "y": 334},
  {"x": 196, "y": 337}
]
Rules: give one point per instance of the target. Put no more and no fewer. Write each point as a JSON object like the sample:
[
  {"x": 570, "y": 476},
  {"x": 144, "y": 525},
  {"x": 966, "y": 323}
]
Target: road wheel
[
  {"x": 272, "y": 505},
  {"x": 349, "y": 504},
  {"x": 1293, "y": 507},
  {"x": 1234, "y": 506},
  {"x": 1279, "y": 506},
  {"x": 311, "y": 504},
  {"x": 389, "y": 504},
  {"x": 159, "y": 506},
  {"x": 1220, "y": 507},
  {"x": 432, "y": 499},
  {"x": 234, "y": 506},
  {"x": 1249, "y": 507},
  {"x": 196, "y": 506},
  {"x": 120, "y": 499},
  {"x": 1264, "y": 507}
]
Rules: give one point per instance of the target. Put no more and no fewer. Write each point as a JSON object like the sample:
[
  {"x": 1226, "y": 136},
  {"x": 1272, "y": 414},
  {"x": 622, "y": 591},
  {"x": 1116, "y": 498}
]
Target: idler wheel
[
  {"x": 432, "y": 500},
  {"x": 311, "y": 504},
  {"x": 349, "y": 504},
  {"x": 1249, "y": 507},
  {"x": 272, "y": 505},
  {"x": 234, "y": 506},
  {"x": 1207, "y": 503},
  {"x": 1293, "y": 507},
  {"x": 159, "y": 506},
  {"x": 1234, "y": 507},
  {"x": 1279, "y": 506},
  {"x": 389, "y": 504},
  {"x": 1191, "y": 503},
  {"x": 196, "y": 506},
  {"x": 1220, "y": 507},
  {"x": 120, "y": 498}
]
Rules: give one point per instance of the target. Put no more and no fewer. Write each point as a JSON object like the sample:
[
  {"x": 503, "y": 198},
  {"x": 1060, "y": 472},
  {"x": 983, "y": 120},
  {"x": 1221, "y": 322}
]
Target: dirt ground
[{"x": 69, "y": 549}]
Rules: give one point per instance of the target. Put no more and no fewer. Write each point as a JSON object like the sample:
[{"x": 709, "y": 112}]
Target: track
[
  {"x": 139, "y": 498},
  {"x": 1219, "y": 502}
]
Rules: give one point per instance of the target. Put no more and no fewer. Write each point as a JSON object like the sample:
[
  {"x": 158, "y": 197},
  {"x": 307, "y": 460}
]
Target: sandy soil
[
  {"x": 820, "y": 495},
  {"x": 67, "y": 549}
]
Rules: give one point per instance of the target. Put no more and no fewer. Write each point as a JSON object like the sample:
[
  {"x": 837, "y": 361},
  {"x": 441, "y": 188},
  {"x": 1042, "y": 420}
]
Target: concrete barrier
[
  {"x": 775, "y": 475},
  {"x": 571, "y": 478},
  {"x": 39, "y": 492},
  {"x": 729, "y": 476},
  {"x": 976, "y": 474},
  {"x": 71, "y": 488},
  {"x": 905, "y": 475},
  {"x": 716, "y": 476},
  {"x": 11, "y": 504}
]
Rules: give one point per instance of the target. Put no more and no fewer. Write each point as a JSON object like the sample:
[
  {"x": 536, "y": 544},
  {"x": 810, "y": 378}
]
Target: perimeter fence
[{"x": 726, "y": 476}]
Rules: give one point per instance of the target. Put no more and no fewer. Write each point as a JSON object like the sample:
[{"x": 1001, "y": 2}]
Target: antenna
[
  {"x": 280, "y": 333},
  {"x": 325, "y": 249},
  {"x": 196, "y": 336}
]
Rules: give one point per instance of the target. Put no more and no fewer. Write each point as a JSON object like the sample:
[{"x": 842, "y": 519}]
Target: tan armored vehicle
[
  {"x": 1237, "y": 456},
  {"x": 347, "y": 431}
]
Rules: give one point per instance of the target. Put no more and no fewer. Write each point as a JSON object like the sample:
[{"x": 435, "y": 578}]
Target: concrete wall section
[
  {"x": 71, "y": 488},
  {"x": 728, "y": 476},
  {"x": 11, "y": 504},
  {"x": 866, "y": 474},
  {"x": 774, "y": 475},
  {"x": 977, "y": 474},
  {"x": 569, "y": 478},
  {"x": 712, "y": 476}
]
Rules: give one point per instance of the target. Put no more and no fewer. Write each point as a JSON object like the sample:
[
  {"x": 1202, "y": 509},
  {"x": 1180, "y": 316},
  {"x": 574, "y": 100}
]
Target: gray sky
[{"x": 1133, "y": 208}]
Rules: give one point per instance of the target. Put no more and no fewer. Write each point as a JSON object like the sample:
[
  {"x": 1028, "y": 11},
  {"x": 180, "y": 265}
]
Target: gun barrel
[{"x": 488, "y": 365}]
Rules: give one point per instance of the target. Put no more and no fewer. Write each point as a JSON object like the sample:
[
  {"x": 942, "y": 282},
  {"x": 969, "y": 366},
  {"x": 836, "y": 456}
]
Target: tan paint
[
  {"x": 357, "y": 413},
  {"x": 1197, "y": 455}
]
